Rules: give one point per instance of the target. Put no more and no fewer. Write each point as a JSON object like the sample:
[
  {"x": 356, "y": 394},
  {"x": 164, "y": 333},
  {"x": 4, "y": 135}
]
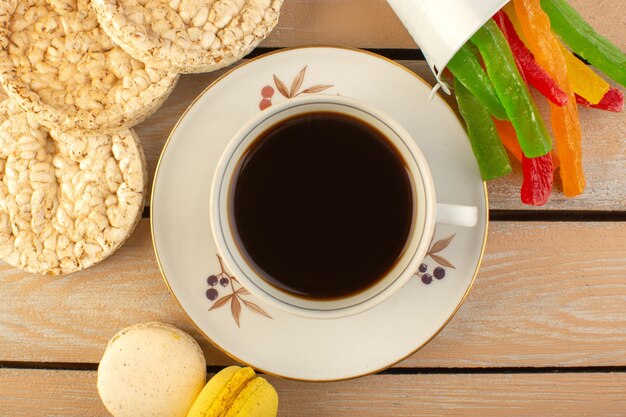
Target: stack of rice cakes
[{"x": 73, "y": 175}]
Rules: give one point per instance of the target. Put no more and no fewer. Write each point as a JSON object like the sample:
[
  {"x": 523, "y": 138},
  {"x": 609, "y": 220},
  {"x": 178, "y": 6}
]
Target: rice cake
[
  {"x": 58, "y": 64},
  {"x": 66, "y": 202},
  {"x": 188, "y": 36}
]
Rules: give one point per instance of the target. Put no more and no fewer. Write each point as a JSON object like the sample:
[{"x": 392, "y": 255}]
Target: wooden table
[{"x": 542, "y": 333}]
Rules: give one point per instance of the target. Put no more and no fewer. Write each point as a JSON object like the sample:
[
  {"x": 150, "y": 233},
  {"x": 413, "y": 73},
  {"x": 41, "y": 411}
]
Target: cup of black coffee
[{"x": 324, "y": 206}]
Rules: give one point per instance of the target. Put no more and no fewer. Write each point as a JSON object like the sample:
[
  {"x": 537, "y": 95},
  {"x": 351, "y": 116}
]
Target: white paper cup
[
  {"x": 441, "y": 27},
  {"x": 427, "y": 212}
]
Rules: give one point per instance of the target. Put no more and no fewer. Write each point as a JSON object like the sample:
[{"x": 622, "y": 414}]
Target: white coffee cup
[{"x": 426, "y": 214}]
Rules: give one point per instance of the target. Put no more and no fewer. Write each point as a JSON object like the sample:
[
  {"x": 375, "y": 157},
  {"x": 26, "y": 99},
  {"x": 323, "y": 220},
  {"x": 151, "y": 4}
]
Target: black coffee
[{"x": 323, "y": 205}]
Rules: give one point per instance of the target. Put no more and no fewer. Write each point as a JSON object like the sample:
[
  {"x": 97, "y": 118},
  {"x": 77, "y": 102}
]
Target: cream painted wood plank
[
  {"x": 33, "y": 393},
  {"x": 372, "y": 23},
  {"x": 604, "y": 147},
  {"x": 71, "y": 318},
  {"x": 548, "y": 294},
  {"x": 360, "y": 23}
]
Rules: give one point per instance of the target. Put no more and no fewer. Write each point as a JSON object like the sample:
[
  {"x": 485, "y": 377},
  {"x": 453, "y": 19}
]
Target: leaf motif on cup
[
  {"x": 235, "y": 309},
  {"x": 439, "y": 272},
  {"x": 234, "y": 297},
  {"x": 297, "y": 82},
  {"x": 267, "y": 92},
  {"x": 441, "y": 244},
  {"x": 282, "y": 88},
  {"x": 242, "y": 291},
  {"x": 255, "y": 308},
  {"x": 316, "y": 89},
  {"x": 442, "y": 261},
  {"x": 221, "y": 302}
]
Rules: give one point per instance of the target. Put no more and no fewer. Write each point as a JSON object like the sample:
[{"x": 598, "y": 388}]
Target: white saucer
[{"x": 270, "y": 339}]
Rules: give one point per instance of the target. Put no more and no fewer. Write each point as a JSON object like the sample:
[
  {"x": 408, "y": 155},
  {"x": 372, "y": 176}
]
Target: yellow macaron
[{"x": 236, "y": 391}]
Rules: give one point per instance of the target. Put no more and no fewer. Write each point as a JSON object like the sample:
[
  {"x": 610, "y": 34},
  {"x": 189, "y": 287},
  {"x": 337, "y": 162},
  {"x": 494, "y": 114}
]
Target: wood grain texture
[
  {"x": 372, "y": 23},
  {"x": 604, "y": 148},
  {"x": 70, "y": 318},
  {"x": 542, "y": 298},
  {"x": 34, "y": 393},
  {"x": 360, "y": 23},
  {"x": 548, "y": 294}
]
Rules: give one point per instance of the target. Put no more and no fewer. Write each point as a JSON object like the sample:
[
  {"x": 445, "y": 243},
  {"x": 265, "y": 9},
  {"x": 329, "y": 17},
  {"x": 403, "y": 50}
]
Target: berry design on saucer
[
  {"x": 235, "y": 296},
  {"x": 267, "y": 92},
  {"x": 439, "y": 272}
]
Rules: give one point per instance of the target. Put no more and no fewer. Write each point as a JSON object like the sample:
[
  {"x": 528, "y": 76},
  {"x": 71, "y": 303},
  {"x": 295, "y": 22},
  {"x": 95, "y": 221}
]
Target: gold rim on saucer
[{"x": 216, "y": 345}]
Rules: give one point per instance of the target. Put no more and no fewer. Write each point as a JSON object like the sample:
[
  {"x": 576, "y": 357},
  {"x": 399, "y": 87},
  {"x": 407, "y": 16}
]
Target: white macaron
[{"x": 151, "y": 369}]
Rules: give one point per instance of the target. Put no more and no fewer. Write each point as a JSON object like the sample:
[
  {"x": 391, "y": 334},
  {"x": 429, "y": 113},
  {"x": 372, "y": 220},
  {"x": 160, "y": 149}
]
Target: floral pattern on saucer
[
  {"x": 439, "y": 272},
  {"x": 267, "y": 92},
  {"x": 236, "y": 296},
  {"x": 314, "y": 350}
]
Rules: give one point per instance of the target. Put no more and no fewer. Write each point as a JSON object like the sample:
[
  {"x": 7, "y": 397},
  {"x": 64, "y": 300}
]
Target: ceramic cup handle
[{"x": 454, "y": 215}]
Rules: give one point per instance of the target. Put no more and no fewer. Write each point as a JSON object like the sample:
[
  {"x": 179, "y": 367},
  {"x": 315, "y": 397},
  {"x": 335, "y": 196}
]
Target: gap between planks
[
  {"x": 34, "y": 393},
  {"x": 78, "y": 366},
  {"x": 541, "y": 299},
  {"x": 397, "y": 54},
  {"x": 535, "y": 215}
]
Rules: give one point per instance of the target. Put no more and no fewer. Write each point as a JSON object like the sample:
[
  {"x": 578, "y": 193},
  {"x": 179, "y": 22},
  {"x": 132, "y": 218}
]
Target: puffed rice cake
[
  {"x": 188, "y": 36},
  {"x": 58, "y": 64},
  {"x": 66, "y": 202}
]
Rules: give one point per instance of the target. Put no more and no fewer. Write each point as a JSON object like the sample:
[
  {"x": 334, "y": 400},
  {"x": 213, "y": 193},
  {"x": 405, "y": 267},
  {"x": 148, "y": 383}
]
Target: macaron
[
  {"x": 151, "y": 369},
  {"x": 236, "y": 392}
]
